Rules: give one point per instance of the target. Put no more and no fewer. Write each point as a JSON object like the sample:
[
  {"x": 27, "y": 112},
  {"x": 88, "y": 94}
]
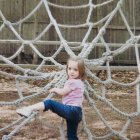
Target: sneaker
[{"x": 25, "y": 111}]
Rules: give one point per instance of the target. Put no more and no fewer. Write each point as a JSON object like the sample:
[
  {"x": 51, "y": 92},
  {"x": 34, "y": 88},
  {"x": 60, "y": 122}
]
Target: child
[{"x": 72, "y": 92}]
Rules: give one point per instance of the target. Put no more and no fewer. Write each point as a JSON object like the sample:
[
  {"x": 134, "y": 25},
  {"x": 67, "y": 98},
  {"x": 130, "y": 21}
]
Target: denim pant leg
[
  {"x": 72, "y": 124},
  {"x": 72, "y": 114},
  {"x": 58, "y": 108},
  {"x": 72, "y": 127}
]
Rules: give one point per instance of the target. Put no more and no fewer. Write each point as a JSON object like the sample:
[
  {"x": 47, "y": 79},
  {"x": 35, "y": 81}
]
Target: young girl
[{"x": 72, "y": 98}]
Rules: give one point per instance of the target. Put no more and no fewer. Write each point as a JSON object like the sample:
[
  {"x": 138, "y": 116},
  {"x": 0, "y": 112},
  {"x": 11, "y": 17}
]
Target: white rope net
[{"x": 84, "y": 48}]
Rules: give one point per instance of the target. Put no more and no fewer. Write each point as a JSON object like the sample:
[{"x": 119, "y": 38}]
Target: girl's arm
[{"x": 61, "y": 91}]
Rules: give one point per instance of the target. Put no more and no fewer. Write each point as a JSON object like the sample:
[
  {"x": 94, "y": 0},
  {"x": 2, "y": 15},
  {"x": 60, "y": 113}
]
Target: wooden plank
[
  {"x": 116, "y": 31},
  {"x": 117, "y": 68}
]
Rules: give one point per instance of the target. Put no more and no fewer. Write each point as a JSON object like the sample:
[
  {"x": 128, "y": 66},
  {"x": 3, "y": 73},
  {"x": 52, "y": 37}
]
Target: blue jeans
[{"x": 72, "y": 114}]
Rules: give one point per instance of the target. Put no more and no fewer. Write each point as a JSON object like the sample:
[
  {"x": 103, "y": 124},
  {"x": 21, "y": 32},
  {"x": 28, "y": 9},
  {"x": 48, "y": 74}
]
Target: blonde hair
[{"x": 81, "y": 66}]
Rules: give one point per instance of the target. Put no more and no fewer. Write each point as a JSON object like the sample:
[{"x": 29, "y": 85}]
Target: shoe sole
[{"x": 22, "y": 114}]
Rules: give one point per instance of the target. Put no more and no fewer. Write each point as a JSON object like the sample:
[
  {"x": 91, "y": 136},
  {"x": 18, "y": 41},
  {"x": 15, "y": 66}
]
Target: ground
[{"x": 46, "y": 125}]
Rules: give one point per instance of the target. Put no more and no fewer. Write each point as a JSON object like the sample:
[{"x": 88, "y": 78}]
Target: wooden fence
[{"x": 116, "y": 32}]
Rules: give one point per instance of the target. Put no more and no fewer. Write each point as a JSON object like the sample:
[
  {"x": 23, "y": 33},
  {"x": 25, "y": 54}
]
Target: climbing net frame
[{"x": 57, "y": 78}]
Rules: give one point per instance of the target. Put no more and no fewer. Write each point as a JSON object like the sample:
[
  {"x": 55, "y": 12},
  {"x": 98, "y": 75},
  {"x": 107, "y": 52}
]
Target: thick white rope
[{"x": 58, "y": 78}]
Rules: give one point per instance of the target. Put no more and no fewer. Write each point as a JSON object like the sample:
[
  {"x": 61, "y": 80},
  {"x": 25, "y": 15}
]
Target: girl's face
[{"x": 72, "y": 69}]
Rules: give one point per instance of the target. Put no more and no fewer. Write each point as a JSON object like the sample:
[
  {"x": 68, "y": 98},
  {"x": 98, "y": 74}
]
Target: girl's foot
[{"x": 25, "y": 111}]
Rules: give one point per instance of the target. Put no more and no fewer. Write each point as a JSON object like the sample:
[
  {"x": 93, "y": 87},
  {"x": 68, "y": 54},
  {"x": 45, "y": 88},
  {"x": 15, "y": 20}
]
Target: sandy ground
[{"x": 46, "y": 125}]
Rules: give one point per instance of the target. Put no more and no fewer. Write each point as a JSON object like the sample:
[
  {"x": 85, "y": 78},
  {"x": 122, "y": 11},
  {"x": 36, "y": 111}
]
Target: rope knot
[
  {"x": 93, "y": 5},
  {"x": 90, "y": 24},
  {"x": 103, "y": 30},
  {"x": 135, "y": 39},
  {"x": 26, "y": 71},
  {"x": 26, "y": 42},
  {"x": 6, "y": 22},
  {"x": 109, "y": 58},
  {"x": 18, "y": 102}
]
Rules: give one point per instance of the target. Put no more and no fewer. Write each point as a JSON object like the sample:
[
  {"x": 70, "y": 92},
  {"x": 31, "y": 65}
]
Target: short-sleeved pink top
[{"x": 75, "y": 96}]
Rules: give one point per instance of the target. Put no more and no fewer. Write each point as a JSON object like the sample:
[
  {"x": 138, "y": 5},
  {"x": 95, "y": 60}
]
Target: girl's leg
[
  {"x": 72, "y": 127},
  {"x": 58, "y": 108},
  {"x": 54, "y": 106},
  {"x": 72, "y": 114}
]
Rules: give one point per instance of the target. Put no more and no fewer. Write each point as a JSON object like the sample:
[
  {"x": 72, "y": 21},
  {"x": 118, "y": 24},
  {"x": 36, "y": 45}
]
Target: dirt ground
[{"x": 46, "y": 125}]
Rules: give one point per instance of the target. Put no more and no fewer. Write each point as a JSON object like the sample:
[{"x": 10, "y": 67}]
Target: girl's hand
[
  {"x": 53, "y": 90},
  {"x": 60, "y": 91}
]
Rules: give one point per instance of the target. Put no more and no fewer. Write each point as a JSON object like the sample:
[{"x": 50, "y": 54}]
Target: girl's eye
[{"x": 69, "y": 68}]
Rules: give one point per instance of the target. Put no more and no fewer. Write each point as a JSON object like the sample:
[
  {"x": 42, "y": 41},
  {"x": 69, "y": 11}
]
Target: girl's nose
[{"x": 71, "y": 71}]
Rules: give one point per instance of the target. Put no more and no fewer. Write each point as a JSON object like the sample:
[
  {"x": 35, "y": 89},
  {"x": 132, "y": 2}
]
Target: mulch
[{"x": 46, "y": 126}]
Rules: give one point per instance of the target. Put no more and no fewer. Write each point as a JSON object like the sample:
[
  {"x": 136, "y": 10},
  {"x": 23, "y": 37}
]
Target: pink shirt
[{"x": 75, "y": 96}]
